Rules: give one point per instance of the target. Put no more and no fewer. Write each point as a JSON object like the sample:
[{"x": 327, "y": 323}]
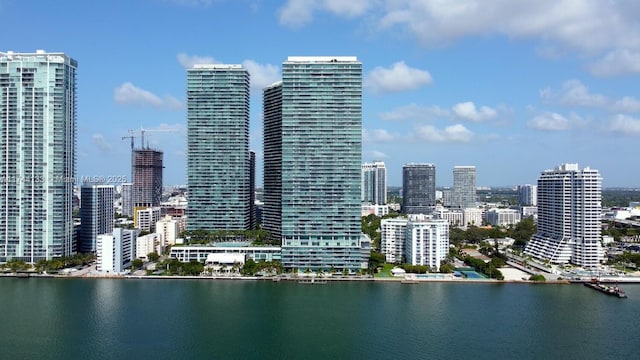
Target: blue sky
[{"x": 512, "y": 87}]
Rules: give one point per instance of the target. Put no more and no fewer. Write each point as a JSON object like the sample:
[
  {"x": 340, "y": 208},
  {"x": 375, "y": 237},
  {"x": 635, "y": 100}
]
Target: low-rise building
[
  {"x": 149, "y": 243},
  {"x": 503, "y": 217},
  {"x": 115, "y": 250}
]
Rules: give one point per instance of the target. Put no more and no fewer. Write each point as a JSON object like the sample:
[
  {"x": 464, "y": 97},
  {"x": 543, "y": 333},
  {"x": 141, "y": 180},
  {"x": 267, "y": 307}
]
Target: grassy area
[{"x": 386, "y": 271}]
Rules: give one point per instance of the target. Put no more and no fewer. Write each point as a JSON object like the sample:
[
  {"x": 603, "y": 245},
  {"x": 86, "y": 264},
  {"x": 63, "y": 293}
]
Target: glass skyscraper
[
  {"x": 96, "y": 214},
  {"x": 374, "y": 183},
  {"x": 37, "y": 155},
  {"x": 312, "y": 147},
  {"x": 418, "y": 188},
  {"x": 218, "y": 159},
  {"x": 464, "y": 187}
]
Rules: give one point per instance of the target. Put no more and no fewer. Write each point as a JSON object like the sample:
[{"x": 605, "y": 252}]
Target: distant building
[
  {"x": 392, "y": 239},
  {"x": 503, "y": 217},
  {"x": 116, "y": 250},
  {"x": 38, "y": 102},
  {"x": 148, "y": 244},
  {"x": 126, "y": 192},
  {"x": 147, "y": 177},
  {"x": 427, "y": 241},
  {"x": 472, "y": 216},
  {"x": 169, "y": 228},
  {"x": 146, "y": 218},
  {"x": 464, "y": 187},
  {"x": 527, "y": 195},
  {"x": 218, "y": 157},
  {"x": 569, "y": 211},
  {"x": 377, "y": 210},
  {"x": 455, "y": 217},
  {"x": 374, "y": 183},
  {"x": 96, "y": 214},
  {"x": 418, "y": 188}
]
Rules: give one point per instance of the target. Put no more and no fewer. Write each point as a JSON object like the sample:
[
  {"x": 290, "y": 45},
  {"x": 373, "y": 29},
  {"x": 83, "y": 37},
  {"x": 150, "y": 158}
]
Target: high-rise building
[
  {"x": 253, "y": 222},
  {"x": 427, "y": 241},
  {"x": 218, "y": 160},
  {"x": 374, "y": 183},
  {"x": 96, "y": 214},
  {"x": 312, "y": 147},
  {"x": 418, "y": 188},
  {"x": 464, "y": 187},
  {"x": 115, "y": 251},
  {"x": 569, "y": 211},
  {"x": 527, "y": 195},
  {"x": 126, "y": 193},
  {"x": 147, "y": 177},
  {"x": 38, "y": 155}
]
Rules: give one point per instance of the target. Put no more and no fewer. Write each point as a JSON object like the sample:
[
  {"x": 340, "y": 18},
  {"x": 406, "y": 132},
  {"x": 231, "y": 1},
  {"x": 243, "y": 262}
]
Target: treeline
[
  {"x": 201, "y": 236},
  {"x": 521, "y": 233},
  {"x": 52, "y": 265},
  {"x": 627, "y": 258},
  {"x": 490, "y": 269}
]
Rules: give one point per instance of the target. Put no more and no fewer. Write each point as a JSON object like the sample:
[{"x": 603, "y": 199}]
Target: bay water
[{"x": 236, "y": 319}]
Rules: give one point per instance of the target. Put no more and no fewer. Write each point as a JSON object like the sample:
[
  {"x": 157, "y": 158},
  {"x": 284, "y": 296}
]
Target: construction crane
[
  {"x": 130, "y": 136},
  {"x": 142, "y": 131}
]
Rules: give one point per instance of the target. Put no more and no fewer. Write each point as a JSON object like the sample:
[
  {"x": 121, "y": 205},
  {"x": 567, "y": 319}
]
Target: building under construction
[{"x": 146, "y": 170}]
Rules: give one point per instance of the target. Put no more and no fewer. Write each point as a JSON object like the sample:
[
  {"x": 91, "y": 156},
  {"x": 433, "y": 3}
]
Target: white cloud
[
  {"x": 453, "y": 133},
  {"x": 129, "y": 94},
  {"x": 377, "y": 155},
  {"x": 573, "y": 93},
  {"x": 604, "y": 33},
  {"x": 624, "y": 125},
  {"x": 617, "y": 62},
  {"x": 468, "y": 111},
  {"x": 261, "y": 75},
  {"x": 100, "y": 142},
  {"x": 377, "y": 135},
  {"x": 415, "y": 112},
  {"x": 300, "y": 12},
  {"x": 553, "y": 122},
  {"x": 399, "y": 77},
  {"x": 627, "y": 104},
  {"x": 187, "y": 61}
]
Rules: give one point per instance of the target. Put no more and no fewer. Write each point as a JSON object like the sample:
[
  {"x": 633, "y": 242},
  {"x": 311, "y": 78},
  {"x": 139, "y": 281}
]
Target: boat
[{"x": 606, "y": 289}]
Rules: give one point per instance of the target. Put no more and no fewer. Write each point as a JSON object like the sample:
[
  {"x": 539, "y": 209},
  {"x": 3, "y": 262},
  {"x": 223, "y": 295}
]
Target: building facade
[
  {"x": 312, "y": 146},
  {"x": 527, "y": 195},
  {"x": 96, "y": 214},
  {"x": 145, "y": 218},
  {"x": 418, "y": 188},
  {"x": 116, "y": 250},
  {"x": 147, "y": 177},
  {"x": 374, "y": 183},
  {"x": 464, "y": 187},
  {"x": 126, "y": 193},
  {"x": 38, "y": 155},
  {"x": 169, "y": 228},
  {"x": 569, "y": 212},
  {"x": 392, "y": 239},
  {"x": 218, "y": 158},
  {"x": 503, "y": 217},
  {"x": 427, "y": 241}
]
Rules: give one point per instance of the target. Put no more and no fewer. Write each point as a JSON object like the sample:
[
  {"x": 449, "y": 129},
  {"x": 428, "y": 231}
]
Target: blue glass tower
[
  {"x": 312, "y": 145},
  {"x": 218, "y": 159},
  {"x": 37, "y": 155}
]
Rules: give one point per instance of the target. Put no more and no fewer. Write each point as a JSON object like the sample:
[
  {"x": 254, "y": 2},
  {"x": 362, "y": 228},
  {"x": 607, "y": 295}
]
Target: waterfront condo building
[
  {"x": 147, "y": 177},
  {"x": 427, "y": 241},
  {"x": 114, "y": 251},
  {"x": 464, "y": 187},
  {"x": 37, "y": 155},
  {"x": 569, "y": 212},
  {"x": 218, "y": 158},
  {"x": 392, "y": 239},
  {"x": 418, "y": 188},
  {"x": 374, "y": 183},
  {"x": 312, "y": 155},
  {"x": 96, "y": 214}
]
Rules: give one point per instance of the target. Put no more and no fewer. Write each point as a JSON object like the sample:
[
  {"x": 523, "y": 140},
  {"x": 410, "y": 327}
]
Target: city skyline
[{"x": 529, "y": 83}]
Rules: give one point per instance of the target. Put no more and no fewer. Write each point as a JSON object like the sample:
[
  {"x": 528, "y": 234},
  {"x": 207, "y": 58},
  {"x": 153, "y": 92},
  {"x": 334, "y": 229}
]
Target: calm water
[{"x": 190, "y": 319}]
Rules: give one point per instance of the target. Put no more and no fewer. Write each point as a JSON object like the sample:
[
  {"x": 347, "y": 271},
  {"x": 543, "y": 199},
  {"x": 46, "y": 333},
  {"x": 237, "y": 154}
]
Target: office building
[
  {"x": 96, "y": 214},
  {"x": 374, "y": 183},
  {"x": 38, "y": 157},
  {"x": 126, "y": 194},
  {"x": 418, "y": 188},
  {"x": 218, "y": 158},
  {"x": 464, "y": 187},
  {"x": 115, "y": 251},
  {"x": 312, "y": 147},
  {"x": 569, "y": 211},
  {"x": 527, "y": 195},
  {"x": 147, "y": 177}
]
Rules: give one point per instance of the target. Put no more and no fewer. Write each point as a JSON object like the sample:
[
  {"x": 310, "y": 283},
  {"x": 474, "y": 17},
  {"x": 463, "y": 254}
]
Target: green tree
[
  {"x": 136, "y": 264},
  {"x": 250, "y": 267},
  {"x": 153, "y": 256}
]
